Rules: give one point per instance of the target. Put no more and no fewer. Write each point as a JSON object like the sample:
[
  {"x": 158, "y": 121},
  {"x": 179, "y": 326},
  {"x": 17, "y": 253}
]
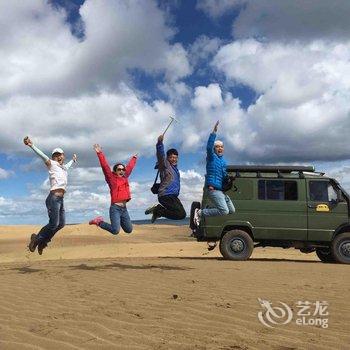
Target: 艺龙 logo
[
  {"x": 272, "y": 316},
  {"x": 307, "y": 313}
]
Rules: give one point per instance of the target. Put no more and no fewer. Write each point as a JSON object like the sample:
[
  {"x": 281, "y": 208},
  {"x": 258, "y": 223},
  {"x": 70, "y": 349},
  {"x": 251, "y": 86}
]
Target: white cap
[
  {"x": 57, "y": 150},
  {"x": 218, "y": 143}
]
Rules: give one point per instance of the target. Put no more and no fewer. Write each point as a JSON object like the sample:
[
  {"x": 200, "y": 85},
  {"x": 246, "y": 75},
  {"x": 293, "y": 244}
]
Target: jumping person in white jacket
[{"x": 54, "y": 201}]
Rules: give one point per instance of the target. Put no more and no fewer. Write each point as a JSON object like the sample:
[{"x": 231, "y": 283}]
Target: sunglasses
[{"x": 120, "y": 169}]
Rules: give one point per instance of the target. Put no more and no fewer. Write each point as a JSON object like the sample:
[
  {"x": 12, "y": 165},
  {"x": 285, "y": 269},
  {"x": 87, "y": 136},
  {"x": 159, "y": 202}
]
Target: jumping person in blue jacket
[
  {"x": 216, "y": 173},
  {"x": 170, "y": 205}
]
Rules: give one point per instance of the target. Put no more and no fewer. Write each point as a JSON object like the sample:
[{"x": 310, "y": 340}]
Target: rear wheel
[
  {"x": 236, "y": 245},
  {"x": 341, "y": 248},
  {"x": 325, "y": 255}
]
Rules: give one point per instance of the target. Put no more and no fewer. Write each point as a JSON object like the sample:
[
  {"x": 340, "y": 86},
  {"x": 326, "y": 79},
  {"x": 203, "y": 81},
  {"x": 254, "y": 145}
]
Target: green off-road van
[{"x": 280, "y": 206}]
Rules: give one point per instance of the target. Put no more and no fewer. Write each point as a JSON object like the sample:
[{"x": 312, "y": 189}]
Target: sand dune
[{"x": 159, "y": 289}]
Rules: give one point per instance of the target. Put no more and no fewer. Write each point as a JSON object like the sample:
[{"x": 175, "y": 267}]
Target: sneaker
[
  {"x": 33, "y": 242},
  {"x": 41, "y": 247},
  {"x": 212, "y": 246},
  {"x": 197, "y": 216},
  {"x": 150, "y": 209},
  {"x": 96, "y": 221}
]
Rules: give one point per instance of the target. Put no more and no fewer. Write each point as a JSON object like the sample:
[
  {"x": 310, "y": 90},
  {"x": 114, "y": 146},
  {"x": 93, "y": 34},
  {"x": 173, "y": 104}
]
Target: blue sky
[{"x": 276, "y": 75}]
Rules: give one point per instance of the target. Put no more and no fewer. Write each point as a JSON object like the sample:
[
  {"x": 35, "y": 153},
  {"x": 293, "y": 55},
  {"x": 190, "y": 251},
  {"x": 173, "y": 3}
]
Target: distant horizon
[{"x": 160, "y": 221}]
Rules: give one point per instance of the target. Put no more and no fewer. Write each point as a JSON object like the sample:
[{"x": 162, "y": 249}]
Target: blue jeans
[
  {"x": 119, "y": 217},
  {"x": 57, "y": 220},
  {"x": 222, "y": 204}
]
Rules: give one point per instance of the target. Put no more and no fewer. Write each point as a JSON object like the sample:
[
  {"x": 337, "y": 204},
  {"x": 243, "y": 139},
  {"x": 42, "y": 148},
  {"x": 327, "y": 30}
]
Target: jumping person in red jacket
[{"x": 118, "y": 183}]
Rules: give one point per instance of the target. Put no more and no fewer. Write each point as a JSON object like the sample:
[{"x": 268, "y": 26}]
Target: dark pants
[
  {"x": 119, "y": 217},
  {"x": 170, "y": 208},
  {"x": 57, "y": 220}
]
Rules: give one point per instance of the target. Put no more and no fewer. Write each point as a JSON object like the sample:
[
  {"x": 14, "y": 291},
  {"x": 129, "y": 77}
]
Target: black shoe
[
  {"x": 151, "y": 209},
  {"x": 155, "y": 216},
  {"x": 41, "y": 247},
  {"x": 33, "y": 242}
]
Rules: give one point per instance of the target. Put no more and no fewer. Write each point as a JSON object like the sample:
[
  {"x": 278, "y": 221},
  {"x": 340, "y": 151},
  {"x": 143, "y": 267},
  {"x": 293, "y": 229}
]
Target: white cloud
[
  {"x": 41, "y": 56},
  {"x": 209, "y": 105},
  {"x": 302, "y": 69},
  {"x": 303, "y": 104},
  {"x": 121, "y": 122},
  {"x": 203, "y": 48},
  {"x": 284, "y": 20},
  {"x": 177, "y": 92},
  {"x": 299, "y": 70},
  {"x": 192, "y": 184},
  {"x": 207, "y": 97},
  {"x": 216, "y": 8},
  {"x": 290, "y": 19},
  {"x": 36, "y": 47},
  {"x": 4, "y": 174}
]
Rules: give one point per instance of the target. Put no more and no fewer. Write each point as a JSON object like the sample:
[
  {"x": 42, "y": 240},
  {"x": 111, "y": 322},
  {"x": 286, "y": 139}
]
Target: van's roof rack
[{"x": 271, "y": 168}]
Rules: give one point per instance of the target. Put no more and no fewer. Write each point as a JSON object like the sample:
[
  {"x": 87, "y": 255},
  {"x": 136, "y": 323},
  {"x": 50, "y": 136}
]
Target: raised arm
[
  {"x": 160, "y": 153},
  {"x": 103, "y": 162},
  {"x": 130, "y": 166},
  {"x": 28, "y": 142},
  {"x": 211, "y": 140},
  {"x": 70, "y": 163}
]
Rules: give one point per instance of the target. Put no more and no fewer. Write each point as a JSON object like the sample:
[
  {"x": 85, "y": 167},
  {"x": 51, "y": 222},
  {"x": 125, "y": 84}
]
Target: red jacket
[{"x": 119, "y": 186}]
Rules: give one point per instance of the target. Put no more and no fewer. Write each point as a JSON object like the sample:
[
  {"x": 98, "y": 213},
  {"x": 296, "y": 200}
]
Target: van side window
[
  {"x": 321, "y": 191},
  {"x": 318, "y": 191},
  {"x": 277, "y": 190}
]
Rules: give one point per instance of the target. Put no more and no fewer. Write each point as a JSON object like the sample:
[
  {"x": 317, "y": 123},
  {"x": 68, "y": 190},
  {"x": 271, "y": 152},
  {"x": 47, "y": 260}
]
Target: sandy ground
[{"x": 159, "y": 289}]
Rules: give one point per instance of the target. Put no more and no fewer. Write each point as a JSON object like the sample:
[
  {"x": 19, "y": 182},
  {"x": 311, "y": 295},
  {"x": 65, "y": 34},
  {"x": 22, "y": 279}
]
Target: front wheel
[
  {"x": 236, "y": 245},
  {"x": 341, "y": 248},
  {"x": 325, "y": 255}
]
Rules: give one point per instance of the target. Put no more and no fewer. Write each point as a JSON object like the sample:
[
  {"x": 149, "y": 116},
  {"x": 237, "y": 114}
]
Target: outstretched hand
[
  {"x": 135, "y": 155},
  {"x": 27, "y": 141},
  {"x": 160, "y": 138},
  {"x": 216, "y": 127},
  {"x": 97, "y": 148},
  {"x": 75, "y": 158}
]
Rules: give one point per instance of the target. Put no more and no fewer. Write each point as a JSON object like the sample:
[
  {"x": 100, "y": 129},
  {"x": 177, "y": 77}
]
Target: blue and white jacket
[
  {"x": 216, "y": 166},
  {"x": 169, "y": 174}
]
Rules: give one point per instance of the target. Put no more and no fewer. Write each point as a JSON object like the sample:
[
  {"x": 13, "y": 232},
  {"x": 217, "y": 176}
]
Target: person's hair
[
  {"x": 171, "y": 151},
  {"x": 116, "y": 166}
]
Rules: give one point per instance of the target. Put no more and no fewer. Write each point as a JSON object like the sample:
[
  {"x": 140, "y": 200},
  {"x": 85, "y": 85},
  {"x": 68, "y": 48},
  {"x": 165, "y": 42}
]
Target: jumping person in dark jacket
[
  {"x": 170, "y": 205},
  {"x": 216, "y": 173}
]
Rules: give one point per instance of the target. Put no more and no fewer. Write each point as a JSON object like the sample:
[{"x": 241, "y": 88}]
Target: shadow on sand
[
  {"x": 251, "y": 259},
  {"x": 25, "y": 269},
  {"x": 118, "y": 266}
]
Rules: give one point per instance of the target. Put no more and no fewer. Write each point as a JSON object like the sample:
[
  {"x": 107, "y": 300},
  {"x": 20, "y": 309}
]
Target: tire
[
  {"x": 341, "y": 248},
  {"x": 325, "y": 255},
  {"x": 194, "y": 205},
  {"x": 220, "y": 248},
  {"x": 236, "y": 245}
]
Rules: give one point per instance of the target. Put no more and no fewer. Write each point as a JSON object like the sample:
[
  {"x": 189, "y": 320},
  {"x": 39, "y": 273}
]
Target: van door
[
  {"x": 326, "y": 210},
  {"x": 280, "y": 212}
]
